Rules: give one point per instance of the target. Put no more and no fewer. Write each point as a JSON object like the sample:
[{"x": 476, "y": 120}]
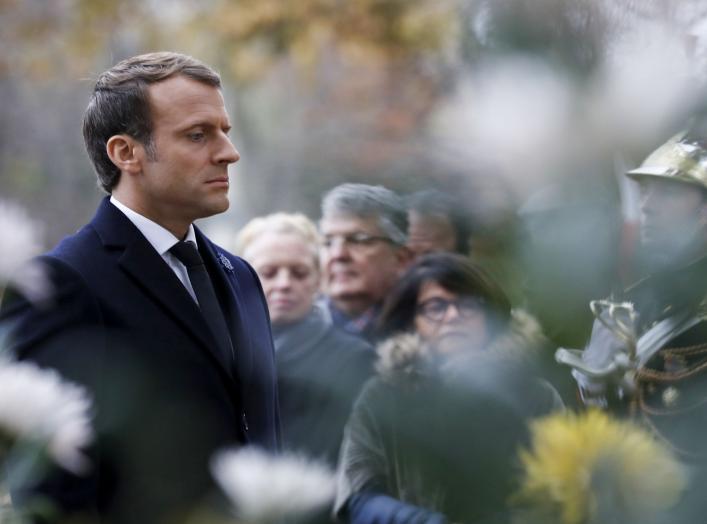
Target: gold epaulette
[
  {"x": 678, "y": 364},
  {"x": 672, "y": 393}
]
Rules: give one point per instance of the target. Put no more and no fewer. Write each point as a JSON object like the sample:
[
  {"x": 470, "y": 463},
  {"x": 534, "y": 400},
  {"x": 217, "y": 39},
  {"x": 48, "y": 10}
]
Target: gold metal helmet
[{"x": 682, "y": 158}]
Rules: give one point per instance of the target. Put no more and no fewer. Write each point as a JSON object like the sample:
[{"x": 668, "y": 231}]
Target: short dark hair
[
  {"x": 120, "y": 104},
  {"x": 454, "y": 273},
  {"x": 433, "y": 202}
]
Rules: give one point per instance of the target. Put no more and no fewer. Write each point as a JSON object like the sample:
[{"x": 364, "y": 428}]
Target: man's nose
[
  {"x": 338, "y": 248},
  {"x": 227, "y": 153},
  {"x": 649, "y": 200}
]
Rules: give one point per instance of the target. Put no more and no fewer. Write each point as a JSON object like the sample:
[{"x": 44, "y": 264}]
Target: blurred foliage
[
  {"x": 575, "y": 34},
  {"x": 365, "y": 74},
  {"x": 255, "y": 33},
  {"x": 40, "y": 39}
]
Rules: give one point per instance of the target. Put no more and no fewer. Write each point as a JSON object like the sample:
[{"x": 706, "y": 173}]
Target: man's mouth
[
  {"x": 342, "y": 275},
  {"x": 649, "y": 231},
  {"x": 218, "y": 181}
]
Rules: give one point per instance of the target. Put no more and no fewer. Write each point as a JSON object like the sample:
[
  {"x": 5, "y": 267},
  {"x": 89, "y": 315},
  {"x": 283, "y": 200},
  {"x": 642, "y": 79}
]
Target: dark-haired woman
[{"x": 433, "y": 437}]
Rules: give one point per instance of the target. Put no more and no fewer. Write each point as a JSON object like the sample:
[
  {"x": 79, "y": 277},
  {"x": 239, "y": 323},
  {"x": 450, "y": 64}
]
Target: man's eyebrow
[{"x": 205, "y": 124}]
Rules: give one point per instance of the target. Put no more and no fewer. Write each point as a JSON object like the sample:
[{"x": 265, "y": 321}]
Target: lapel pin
[{"x": 225, "y": 262}]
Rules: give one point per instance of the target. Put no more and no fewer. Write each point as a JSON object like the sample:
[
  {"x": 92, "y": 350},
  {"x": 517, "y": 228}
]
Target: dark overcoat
[{"x": 120, "y": 322}]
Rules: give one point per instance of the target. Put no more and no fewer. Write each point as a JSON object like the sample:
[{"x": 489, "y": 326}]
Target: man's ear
[
  {"x": 125, "y": 152},
  {"x": 404, "y": 257}
]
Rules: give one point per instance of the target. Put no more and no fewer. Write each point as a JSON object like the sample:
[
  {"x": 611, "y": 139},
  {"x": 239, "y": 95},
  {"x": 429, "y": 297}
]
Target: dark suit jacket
[{"x": 121, "y": 323}]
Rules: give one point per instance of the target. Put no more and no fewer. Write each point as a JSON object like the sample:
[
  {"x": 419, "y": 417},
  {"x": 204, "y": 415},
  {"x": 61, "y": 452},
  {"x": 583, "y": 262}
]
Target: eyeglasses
[
  {"x": 354, "y": 240},
  {"x": 435, "y": 309}
]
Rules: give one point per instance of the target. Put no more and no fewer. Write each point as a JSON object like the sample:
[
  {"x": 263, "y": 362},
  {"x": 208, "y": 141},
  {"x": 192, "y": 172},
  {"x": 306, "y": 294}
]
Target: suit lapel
[
  {"x": 230, "y": 297},
  {"x": 140, "y": 260}
]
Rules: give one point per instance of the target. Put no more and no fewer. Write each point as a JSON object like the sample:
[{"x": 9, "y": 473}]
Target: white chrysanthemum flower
[
  {"x": 520, "y": 130},
  {"x": 36, "y": 404},
  {"x": 20, "y": 239},
  {"x": 268, "y": 488},
  {"x": 646, "y": 85}
]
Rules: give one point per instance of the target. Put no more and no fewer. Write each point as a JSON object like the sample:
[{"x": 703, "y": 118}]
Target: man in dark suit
[{"x": 169, "y": 332}]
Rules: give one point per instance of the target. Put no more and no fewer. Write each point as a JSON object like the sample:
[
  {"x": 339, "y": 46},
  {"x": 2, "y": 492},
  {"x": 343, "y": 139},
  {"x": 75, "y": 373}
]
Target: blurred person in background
[
  {"x": 436, "y": 222},
  {"x": 432, "y": 436},
  {"x": 364, "y": 236},
  {"x": 648, "y": 348},
  {"x": 320, "y": 368},
  {"x": 167, "y": 331},
  {"x": 569, "y": 252},
  {"x": 569, "y": 247}
]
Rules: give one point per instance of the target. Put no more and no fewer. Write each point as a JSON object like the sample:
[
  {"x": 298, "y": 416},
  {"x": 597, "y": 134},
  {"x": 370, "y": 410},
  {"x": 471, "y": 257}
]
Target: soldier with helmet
[{"x": 648, "y": 351}]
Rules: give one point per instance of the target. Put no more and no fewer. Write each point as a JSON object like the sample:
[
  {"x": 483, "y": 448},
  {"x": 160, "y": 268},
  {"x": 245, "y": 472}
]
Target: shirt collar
[
  {"x": 159, "y": 237},
  {"x": 359, "y": 324}
]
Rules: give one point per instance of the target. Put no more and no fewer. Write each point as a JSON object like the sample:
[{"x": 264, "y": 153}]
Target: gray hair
[{"x": 366, "y": 201}]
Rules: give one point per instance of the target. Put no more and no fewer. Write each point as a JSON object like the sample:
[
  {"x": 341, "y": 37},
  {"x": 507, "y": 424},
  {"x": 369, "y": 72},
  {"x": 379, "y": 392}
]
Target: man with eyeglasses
[{"x": 363, "y": 253}]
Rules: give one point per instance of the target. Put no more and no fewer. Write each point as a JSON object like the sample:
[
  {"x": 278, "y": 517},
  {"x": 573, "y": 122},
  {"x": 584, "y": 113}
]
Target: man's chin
[
  {"x": 351, "y": 302},
  {"x": 659, "y": 254},
  {"x": 343, "y": 291},
  {"x": 652, "y": 239},
  {"x": 215, "y": 207},
  {"x": 221, "y": 205}
]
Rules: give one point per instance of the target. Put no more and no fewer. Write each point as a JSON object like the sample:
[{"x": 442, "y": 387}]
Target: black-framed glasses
[
  {"x": 435, "y": 309},
  {"x": 354, "y": 240}
]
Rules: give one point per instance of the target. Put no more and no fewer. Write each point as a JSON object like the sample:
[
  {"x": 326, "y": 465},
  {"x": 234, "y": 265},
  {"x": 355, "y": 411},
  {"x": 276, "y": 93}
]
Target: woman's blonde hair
[{"x": 289, "y": 223}]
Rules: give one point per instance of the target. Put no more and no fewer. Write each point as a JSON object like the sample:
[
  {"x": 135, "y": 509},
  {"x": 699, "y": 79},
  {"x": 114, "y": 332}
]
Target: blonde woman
[{"x": 320, "y": 369}]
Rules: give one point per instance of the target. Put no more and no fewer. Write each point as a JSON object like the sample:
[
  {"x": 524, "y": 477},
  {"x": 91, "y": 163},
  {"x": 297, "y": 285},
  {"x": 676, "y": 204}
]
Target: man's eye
[
  {"x": 359, "y": 238},
  {"x": 196, "y": 136}
]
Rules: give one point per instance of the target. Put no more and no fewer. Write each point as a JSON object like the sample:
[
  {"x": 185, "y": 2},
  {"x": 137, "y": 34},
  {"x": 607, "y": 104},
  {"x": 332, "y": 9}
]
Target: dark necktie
[{"x": 188, "y": 255}]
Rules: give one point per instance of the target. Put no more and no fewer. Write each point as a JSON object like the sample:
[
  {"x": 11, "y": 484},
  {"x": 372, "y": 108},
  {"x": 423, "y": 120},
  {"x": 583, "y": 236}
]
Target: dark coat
[
  {"x": 320, "y": 373},
  {"x": 671, "y": 387},
  {"x": 435, "y": 440},
  {"x": 121, "y": 323},
  {"x": 670, "y": 395}
]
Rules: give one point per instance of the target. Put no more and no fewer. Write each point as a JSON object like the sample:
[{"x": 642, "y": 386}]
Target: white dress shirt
[{"x": 162, "y": 240}]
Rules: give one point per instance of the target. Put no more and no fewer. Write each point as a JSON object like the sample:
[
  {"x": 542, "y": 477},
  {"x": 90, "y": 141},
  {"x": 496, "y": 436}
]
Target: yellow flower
[{"x": 582, "y": 467}]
